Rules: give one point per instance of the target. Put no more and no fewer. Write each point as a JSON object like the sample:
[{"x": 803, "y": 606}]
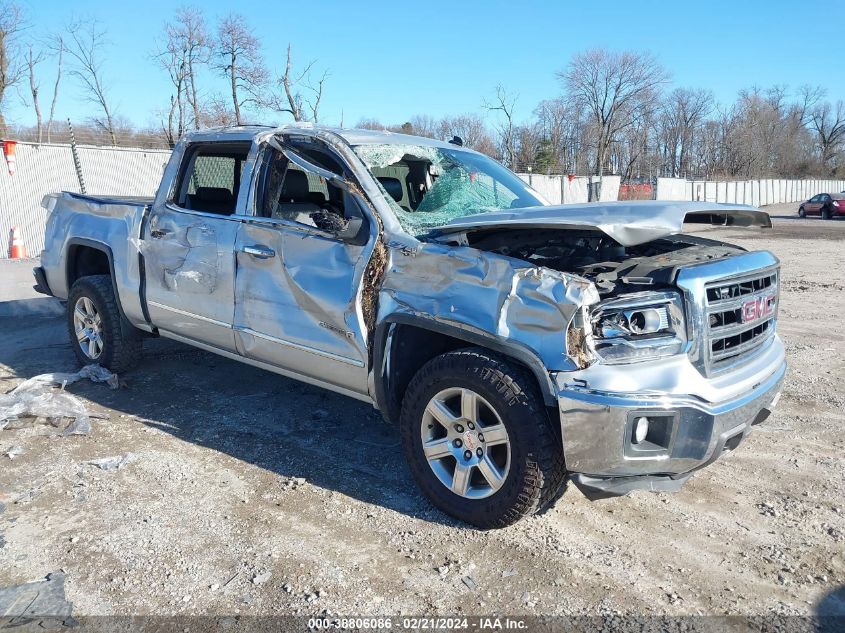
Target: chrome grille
[{"x": 741, "y": 314}]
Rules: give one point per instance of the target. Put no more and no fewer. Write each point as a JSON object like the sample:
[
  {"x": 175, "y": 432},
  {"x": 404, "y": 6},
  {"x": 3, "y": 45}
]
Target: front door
[
  {"x": 188, "y": 245},
  {"x": 297, "y": 283}
]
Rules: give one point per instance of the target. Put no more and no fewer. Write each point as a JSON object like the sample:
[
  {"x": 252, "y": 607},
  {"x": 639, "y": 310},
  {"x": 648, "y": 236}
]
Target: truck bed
[
  {"x": 107, "y": 199},
  {"x": 107, "y": 224}
]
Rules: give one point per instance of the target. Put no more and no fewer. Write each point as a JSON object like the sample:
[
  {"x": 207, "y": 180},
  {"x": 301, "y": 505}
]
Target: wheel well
[
  {"x": 409, "y": 348},
  {"x": 86, "y": 260}
]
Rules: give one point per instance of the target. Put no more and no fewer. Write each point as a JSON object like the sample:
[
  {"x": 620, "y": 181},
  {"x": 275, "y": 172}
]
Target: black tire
[
  {"x": 537, "y": 469},
  {"x": 826, "y": 213},
  {"x": 121, "y": 343},
  {"x": 801, "y": 212}
]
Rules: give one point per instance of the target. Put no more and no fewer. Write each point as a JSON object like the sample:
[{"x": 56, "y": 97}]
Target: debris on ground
[
  {"x": 112, "y": 463},
  {"x": 260, "y": 579},
  {"x": 15, "y": 451},
  {"x": 35, "y": 398},
  {"x": 21, "y": 604}
]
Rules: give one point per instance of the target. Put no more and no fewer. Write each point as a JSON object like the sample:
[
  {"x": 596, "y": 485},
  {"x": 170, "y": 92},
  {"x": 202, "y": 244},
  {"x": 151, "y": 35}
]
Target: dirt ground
[{"x": 253, "y": 494}]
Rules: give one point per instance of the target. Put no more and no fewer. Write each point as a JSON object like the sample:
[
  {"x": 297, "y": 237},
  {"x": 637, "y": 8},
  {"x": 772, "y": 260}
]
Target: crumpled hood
[{"x": 629, "y": 223}]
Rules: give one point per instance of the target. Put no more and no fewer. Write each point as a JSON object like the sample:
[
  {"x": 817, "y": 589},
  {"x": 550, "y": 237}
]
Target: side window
[
  {"x": 210, "y": 177},
  {"x": 290, "y": 193},
  {"x": 815, "y": 198}
]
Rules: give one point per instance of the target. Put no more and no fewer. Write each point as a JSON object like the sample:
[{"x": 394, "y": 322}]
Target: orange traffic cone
[
  {"x": 18, "y": 250},
  {"x": 9, "y": 153}
]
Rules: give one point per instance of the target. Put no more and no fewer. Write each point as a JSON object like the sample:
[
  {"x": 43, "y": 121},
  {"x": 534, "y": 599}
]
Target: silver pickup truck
[{"x": 516, "y": 344}]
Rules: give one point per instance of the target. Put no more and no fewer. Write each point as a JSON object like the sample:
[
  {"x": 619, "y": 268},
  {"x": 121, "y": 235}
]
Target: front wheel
[
  {"x": 478, "y": 438},
  {"x": 801, "y": 212},
  {"x": 98, "y": 333}
]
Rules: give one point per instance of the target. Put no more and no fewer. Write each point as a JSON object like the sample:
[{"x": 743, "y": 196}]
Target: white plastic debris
[
  {"x": 112, "y": 463},
  {"x": 36, "y": 398},
  {"x": 15, "y": 451}
]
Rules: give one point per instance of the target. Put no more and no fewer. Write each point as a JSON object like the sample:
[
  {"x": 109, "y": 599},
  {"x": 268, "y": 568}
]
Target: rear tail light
[{"x": 836, "y": 203}]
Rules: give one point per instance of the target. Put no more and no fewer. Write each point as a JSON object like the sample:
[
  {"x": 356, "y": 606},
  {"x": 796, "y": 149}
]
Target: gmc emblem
[{"x": 758, "y": 308}]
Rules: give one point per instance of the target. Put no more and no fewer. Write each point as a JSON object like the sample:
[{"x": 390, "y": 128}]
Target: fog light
[{"x": 640, "y": 429}]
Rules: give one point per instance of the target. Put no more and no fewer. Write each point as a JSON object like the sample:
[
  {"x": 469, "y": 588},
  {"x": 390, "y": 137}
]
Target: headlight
[{"x": 639, "y": 327}]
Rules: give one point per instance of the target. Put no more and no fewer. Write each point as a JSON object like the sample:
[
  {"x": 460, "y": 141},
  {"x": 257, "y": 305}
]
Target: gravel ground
[{"x": 253, "y": 494}]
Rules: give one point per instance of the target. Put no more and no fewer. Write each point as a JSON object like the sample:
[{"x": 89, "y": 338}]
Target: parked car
[
  {"x": 514, "y": 343},
  {"x": 827, "y": 205}
]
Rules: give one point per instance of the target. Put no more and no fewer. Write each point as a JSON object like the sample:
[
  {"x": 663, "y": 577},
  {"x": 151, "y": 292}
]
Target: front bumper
[{"x": 690, "y": 425}]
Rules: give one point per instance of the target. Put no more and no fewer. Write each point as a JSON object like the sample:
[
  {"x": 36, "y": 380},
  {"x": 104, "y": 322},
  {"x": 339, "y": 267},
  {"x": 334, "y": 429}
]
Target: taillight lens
[{"x": 836, "y": 203}]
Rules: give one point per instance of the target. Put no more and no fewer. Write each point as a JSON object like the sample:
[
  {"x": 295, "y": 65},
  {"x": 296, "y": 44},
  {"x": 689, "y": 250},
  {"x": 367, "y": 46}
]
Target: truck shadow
[
  {"x": 278, "y": 424},
  {"x": 830, "y": 611}
]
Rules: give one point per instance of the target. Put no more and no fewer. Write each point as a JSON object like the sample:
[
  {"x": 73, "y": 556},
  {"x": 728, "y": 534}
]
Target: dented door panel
[
  {"x": 190, "y": 273},
  {"x": 296, "y": 308}
]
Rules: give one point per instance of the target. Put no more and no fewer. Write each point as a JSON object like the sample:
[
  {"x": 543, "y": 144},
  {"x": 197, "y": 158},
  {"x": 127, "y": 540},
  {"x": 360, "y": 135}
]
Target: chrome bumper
[{"x": 688, "y": 427}]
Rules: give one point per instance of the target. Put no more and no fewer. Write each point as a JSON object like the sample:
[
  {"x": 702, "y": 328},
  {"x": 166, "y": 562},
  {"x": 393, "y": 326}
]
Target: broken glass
[{"x": 453, "y": 183}]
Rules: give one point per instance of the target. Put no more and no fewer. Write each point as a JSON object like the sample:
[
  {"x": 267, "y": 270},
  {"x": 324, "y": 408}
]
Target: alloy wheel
[
  {"x": 88, "y": 327},
  {"x": 465, "y": 443}
]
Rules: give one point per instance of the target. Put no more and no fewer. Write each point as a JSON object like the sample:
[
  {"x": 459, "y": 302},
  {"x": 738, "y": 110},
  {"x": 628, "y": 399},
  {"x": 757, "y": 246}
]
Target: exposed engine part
[{"x": 596, "y": 256}]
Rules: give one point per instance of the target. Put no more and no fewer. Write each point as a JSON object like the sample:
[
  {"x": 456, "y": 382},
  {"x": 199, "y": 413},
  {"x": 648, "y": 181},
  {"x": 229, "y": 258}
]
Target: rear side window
[{"x": 210, "y": 177}]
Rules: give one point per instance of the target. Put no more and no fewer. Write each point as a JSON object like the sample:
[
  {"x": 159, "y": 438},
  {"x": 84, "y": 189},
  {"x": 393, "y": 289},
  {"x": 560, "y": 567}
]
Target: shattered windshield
[{"x": 429, "y": 186}]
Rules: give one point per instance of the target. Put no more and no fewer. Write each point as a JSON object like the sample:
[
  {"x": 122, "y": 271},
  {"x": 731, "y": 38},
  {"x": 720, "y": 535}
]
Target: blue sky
[{"x": 391, "y": 60}]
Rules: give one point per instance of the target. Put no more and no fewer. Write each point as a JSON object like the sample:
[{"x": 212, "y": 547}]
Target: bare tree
[
  {"x": 615, "y": 88},
  {"x": 505, "y": 102},
  {"x": 185, "y": 50},
  {"x": 85, "y": 47},
  {"x": 301, "y": 96},
  {"x": 172, "y": 57},
  {"x": 11, "y": 70},
  {"x": 58, "y": 46},
  {"x": 560, "y": 125},
  {"x": 316, "y": 89},
  {"x": 470, "y": 128},
  {"x": 828, "y": 122},
  {"x": 239, "y": 59},
  {"x": 33, "y": 58},
  {"x": 682, "y": 114},
  {"x": 196, "y": 42},
  {"x": 424, "y": 125}
]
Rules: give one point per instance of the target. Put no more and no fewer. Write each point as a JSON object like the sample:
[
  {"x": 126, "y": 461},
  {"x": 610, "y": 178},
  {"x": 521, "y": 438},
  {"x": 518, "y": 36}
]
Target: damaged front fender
[{"x": 514, "y": 305}]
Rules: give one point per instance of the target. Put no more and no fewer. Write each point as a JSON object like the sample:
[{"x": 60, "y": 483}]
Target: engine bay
[{"x": 596, "y": 256}]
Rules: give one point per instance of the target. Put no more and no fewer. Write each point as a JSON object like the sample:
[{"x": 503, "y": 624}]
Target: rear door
[
  {"x": 297, "y": 283},
  {"x": 824, "y": 202},
  {"x": 188, "y": 243}
]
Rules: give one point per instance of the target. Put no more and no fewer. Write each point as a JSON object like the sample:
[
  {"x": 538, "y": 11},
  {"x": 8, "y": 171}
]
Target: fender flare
[
  {"x": 107, "y": 251},
  {"x": 511, "y": 349}
]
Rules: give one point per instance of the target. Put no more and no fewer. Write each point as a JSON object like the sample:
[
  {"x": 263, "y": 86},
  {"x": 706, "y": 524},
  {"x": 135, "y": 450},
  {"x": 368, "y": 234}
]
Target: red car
[{"x": 827, "y": 205}]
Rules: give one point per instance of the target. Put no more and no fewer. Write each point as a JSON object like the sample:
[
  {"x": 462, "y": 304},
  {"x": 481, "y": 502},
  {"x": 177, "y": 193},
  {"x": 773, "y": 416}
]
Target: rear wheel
[
  {"x": 801, "y": 212},
  {"x": 478, "y": 439},
  {"x": 98, "y": 332},
  {"x": 826, "y": 213}
]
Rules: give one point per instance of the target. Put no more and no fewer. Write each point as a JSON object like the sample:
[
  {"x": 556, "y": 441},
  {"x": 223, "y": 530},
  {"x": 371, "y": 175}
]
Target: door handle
[
  {"x": 157, "y": 234},
  {"x": 259, "y": 251}
]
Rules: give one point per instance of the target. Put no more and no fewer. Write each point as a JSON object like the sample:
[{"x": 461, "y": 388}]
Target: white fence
[
  {"x": 566, "y": 190},
  {"x": 48, "y": 168},
  {"x": 757, "y": 193},
  {"x": 43, "y": 169}
]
